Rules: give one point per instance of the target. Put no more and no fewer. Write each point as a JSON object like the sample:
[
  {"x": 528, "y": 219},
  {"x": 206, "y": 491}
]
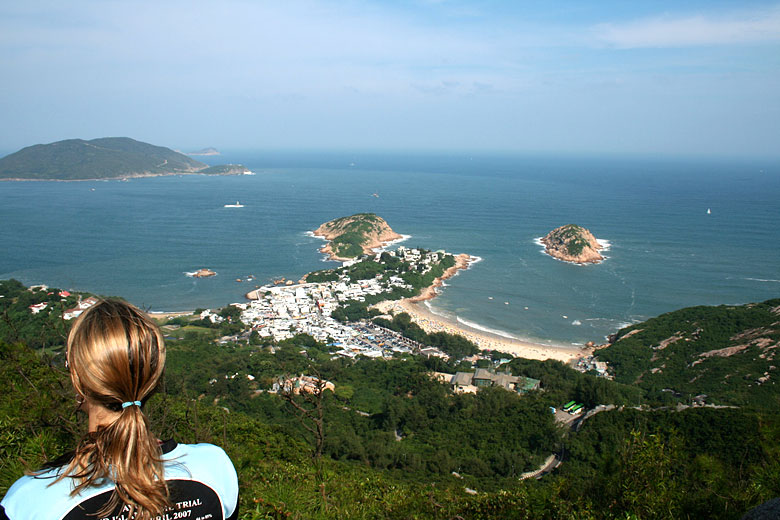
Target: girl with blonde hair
[{"x": 119, "y": 470}]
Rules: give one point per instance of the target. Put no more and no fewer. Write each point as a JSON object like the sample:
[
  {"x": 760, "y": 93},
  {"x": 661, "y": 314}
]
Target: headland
[{"x": 350, "y": 237}]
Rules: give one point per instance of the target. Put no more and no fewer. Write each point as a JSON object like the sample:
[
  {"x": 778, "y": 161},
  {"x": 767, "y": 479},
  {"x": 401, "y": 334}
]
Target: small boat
[
  {"x": 236, "y": 205},
  {"x": 709, "y": 212}
]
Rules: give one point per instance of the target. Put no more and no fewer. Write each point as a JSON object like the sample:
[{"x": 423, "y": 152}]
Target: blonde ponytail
[{"x": 116, "y": 355}]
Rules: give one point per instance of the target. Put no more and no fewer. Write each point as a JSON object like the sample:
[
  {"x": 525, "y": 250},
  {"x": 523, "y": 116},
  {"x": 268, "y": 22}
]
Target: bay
[{"x": 138, "y": 238}]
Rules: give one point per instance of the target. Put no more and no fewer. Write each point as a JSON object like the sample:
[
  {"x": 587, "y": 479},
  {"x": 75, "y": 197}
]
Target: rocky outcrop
[
  {"x": 572, "y": 243},
  {"x": 462, "y": 261},
  {"x": 350, "y": 237}
]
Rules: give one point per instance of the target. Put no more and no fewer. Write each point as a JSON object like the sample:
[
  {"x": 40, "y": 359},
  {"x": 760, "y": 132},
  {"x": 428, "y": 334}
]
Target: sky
[{"x": 597, "y": 77}]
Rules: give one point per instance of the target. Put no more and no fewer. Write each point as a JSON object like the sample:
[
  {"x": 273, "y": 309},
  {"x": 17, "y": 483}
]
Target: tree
[{"x": 307, "y": 405}]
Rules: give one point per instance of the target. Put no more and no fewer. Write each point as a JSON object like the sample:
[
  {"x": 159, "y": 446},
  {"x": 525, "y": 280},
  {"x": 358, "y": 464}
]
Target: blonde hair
[{"x": 116, "y": 355}]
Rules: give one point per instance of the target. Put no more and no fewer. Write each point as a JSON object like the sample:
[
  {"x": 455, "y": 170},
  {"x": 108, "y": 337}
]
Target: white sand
[{"x": 430, "y": 322}]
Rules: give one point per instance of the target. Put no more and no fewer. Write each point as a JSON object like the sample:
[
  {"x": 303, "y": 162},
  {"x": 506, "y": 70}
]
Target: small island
[
  {"x": 573, "y": 243},
  {"x": 105, "y": 158},
  {"x": 202, "y": 273},
  {"x": 350, "y": 237}
]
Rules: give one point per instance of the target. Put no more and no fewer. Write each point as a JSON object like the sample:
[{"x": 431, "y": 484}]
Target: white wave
[
  {"x": 576, "y": 322},
  {"x": 475, "y": 260},
  {"x": 477, "y": 326},
  {"x": 193, "y": 273},
  {"x": 435, "y": 311},
  {"x": 605, "y": 243},
  {"x": 769, "y": 280}
]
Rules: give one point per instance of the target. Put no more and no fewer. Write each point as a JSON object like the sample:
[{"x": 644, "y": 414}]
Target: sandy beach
[
  {"x": 167, "y": 315},
  {"x": 431, "y": 322}
]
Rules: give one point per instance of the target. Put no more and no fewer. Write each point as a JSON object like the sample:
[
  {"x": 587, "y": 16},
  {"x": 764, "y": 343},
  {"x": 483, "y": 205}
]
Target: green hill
[
  {"x": 398, "y": 443},
  {"x": 352, "y": 236},
  {"x": 104, "y": 158},
  {"x": 726, "y": 352}
]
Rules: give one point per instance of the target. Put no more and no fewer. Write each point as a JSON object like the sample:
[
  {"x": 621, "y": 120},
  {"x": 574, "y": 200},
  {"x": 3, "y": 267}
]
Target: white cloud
[{"x": 742, "y": 27}]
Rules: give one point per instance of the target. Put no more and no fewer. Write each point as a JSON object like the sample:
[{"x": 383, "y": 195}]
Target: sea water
[{"x": 139, "y": 238}]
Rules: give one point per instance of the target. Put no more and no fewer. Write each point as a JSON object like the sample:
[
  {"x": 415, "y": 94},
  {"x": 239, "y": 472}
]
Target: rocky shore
[
  {"x": 573, "y": 243},
  {"x": 462, "y": 261},
  {"x": 376, "y": 233}
]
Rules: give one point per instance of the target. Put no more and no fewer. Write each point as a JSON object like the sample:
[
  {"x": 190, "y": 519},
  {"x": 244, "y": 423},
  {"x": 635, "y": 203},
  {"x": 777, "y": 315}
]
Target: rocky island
[
  {"x": 350, "y": 237},
  {"x": 202, "y": 273},
  {"x": 105, "y": 158},
  {"x": 573, "y": 243}
]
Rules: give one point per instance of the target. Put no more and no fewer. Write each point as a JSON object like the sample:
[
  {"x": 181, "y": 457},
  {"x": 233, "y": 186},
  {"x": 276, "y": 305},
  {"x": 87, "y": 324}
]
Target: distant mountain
[
  {"x": 206, "y": 151},
  {"x": 729, "y": 353},
  {"x": 105, "y": 158}
]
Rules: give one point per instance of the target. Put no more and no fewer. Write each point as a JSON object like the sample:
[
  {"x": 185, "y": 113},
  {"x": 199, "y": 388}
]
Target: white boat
[
  {"x": 236, "y": 205},
  {"x": 709, "y": 212}
]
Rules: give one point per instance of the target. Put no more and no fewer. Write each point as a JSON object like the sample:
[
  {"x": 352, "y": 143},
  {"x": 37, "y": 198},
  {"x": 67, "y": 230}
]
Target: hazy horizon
[{"x": 612, "y": 78}]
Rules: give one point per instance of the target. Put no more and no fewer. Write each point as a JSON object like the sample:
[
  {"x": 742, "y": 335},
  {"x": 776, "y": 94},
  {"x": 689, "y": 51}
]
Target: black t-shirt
[{"x": 201, "y": 479}]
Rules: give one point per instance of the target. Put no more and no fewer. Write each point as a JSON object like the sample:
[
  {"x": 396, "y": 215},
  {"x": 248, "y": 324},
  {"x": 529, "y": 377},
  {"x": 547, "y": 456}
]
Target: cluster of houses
[
  {"x": 283, "y": 311},
  {"x": 592, "y": 364},
  {"x": 302, "y": 384},
  {"x": 69, "y": 314},
  {"x": 470, "y": 382}
]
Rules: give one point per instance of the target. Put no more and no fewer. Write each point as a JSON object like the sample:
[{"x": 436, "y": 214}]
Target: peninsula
[
  {"x": 572, "y": 243},
  {"x": 356, "y": 235},
  {"x": 105, "y": 158},
  {"x": 206, "y": 151}
]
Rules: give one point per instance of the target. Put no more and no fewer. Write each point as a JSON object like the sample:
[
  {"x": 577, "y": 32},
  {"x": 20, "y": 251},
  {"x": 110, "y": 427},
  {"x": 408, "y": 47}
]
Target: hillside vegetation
[
  {"x": 572, "y": 243},
  {"x": 105, "y": 158},
  {"x": 352, "y": 236},
  {"x": 399, "y": 444},
  {"x": 727, "y": 353}
]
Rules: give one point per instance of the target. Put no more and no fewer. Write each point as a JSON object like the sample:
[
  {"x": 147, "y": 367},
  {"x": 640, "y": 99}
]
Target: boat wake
[{"x": 765, "y": 280}]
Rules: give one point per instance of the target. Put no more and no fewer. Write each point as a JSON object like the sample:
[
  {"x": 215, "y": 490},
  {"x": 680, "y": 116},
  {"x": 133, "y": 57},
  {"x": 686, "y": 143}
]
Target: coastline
[
  {"x": 122, "y": 178},
  {"x": 431, "y": 322},
  {"x": 164, "y": 315},
  {"x": 462, "y": 261}
]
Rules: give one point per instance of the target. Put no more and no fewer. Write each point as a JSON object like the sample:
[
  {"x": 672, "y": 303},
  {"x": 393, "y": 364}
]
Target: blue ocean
[{"x": 138, "y": 238}]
